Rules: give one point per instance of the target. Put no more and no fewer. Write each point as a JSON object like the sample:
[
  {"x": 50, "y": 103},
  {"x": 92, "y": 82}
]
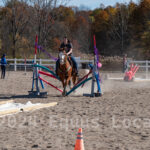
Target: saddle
[
  {"x": 70, "y": 61},
  {"x": 72, "y": 65}
]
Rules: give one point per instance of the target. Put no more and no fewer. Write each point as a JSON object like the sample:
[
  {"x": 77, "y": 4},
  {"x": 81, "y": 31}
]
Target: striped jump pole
[
  {"x": 35, "y": 53},
  {"x": 96, "y": 72},
  {"x": 34, "y": 69},
  {"x": 36, "y": 77}
]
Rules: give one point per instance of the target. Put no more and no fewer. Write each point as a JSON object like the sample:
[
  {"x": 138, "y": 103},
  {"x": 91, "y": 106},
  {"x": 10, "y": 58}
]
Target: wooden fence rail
[{"x": 15, "y": 63}]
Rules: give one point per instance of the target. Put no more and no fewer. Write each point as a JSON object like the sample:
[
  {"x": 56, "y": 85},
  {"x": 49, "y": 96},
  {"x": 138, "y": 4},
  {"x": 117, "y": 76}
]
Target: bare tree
[
  {"x": 15, "y": 21},
  {"x": 119, "y": 24},
  {"x": 45, "y": 14},
  {"x": 82, "y": 33}
]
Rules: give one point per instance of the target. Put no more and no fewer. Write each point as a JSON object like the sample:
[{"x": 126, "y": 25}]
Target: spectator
[{"x": 3, "y": 66}]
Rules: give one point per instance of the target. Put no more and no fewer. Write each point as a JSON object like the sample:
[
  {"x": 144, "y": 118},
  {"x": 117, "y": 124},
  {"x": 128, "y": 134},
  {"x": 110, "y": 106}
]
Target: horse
[{"x": 65, "y": 71}]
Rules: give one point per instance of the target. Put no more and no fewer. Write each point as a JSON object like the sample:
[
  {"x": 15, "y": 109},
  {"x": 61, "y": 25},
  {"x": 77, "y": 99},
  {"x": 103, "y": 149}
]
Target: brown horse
[{"x": 65, "y": 71}]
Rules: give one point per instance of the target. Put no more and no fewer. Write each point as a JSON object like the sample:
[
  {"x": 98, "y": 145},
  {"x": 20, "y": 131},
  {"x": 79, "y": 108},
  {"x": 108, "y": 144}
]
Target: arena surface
[{"x": 119, "y": 120}]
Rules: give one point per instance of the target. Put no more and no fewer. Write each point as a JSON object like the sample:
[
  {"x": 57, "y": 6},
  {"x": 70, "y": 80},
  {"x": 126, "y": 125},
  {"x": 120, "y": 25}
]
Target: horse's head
[{"x": 62, "y": 57}]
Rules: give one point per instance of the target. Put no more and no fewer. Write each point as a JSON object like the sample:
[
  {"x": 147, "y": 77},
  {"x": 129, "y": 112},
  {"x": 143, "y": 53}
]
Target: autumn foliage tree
[{"x": 119, "y": 29}]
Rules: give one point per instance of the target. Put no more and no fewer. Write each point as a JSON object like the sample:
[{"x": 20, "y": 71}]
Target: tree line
[{"x": 120, "y": 29}]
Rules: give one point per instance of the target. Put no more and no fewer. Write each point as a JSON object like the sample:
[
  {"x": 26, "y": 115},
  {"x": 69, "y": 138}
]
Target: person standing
[
  {"x": 3, "y": 66},
  {"x": 125, "y": 63}
]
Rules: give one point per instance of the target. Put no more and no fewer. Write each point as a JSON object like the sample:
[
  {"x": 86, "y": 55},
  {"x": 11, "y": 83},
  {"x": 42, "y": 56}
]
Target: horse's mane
[{"x": 61, "y": 49}]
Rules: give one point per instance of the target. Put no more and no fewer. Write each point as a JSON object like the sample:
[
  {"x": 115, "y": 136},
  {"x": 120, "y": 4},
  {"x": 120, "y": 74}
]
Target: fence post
[
  {"x": 25, "y": 65},
  {"x": 146, "y": 69},
  {"x": 15, "y": 64}
]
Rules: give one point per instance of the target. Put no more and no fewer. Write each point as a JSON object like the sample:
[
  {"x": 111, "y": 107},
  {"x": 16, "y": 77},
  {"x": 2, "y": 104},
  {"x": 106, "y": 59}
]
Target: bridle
[{"x": 62, "y": 58}]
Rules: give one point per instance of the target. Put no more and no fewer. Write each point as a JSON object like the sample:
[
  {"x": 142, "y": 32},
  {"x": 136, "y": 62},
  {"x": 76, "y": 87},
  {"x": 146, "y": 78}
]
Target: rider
[{"x": 67, "y": 45}]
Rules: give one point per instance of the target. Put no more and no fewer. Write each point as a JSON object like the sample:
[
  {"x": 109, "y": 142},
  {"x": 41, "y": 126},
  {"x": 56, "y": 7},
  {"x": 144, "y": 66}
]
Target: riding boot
[
  {"x": 76, "y": 72},
  {"x": 57, "y": 66}
]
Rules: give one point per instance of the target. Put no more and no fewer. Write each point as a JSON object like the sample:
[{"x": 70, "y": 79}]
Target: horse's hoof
[{"x": 64, "y": 93}]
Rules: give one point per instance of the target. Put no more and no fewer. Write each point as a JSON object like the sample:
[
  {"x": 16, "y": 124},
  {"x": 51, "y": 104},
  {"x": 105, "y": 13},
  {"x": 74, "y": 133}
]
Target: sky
[{"x": 92, "y": 4}]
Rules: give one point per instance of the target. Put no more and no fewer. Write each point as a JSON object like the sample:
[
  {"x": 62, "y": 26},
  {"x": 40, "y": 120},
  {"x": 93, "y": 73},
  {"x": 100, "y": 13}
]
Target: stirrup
[{"x": 76, "y": 72}]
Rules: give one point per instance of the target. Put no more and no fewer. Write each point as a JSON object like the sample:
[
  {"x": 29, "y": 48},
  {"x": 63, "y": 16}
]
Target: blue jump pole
[
  {"x": 98, "y": 83},
  {"x": 78, "y": 85},
  {"x": 42, "y": 85},
  {"x": 33, "y": 80}
]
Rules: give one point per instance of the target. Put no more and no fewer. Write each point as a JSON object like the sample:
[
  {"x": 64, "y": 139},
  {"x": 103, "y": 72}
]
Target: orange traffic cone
[{"x": 79, "y": 141}]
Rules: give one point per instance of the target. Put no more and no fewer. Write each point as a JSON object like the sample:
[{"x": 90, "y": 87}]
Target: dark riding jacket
[{"x": 67, "y": 47}]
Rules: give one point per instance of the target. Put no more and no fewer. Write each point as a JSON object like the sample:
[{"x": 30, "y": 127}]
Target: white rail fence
[
  {"x": 24, "y": 64},
  {"x": 143, "y": 65}
]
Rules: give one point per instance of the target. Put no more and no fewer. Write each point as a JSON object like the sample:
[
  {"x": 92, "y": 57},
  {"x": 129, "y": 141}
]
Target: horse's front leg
[
  {"x": 62, "y": 81},
  {"x": 64, "y": 87},
  {"x": 68, "y": 81},
  {"x": 63, "y": 84},
  {"x": 64, "y": 91}
]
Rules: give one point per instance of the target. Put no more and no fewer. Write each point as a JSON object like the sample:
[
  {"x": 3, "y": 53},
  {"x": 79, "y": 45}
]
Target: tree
[
  {"x": 81, "y": 31},
  {"x": 100, "y": 27},
  {"x": 43, "y": 18},
  {"x": 15, "y": 19},
  {"x": 119, "y": 18}
]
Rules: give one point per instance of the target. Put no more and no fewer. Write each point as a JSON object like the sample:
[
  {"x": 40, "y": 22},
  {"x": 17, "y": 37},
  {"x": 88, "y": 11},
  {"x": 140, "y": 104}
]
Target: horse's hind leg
[
  {"x": 64, "y": 91},
  {"x": 64, "y": 87},
  {"x": 74, "y": 79},
  {"x": 69, "y": 84}
]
